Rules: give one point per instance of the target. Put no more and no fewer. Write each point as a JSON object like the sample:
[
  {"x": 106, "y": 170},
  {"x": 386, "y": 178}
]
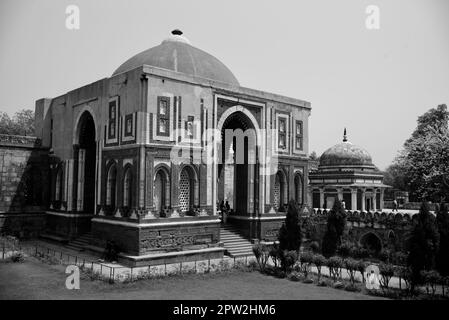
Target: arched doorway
[
  {"x": 237, "y": 170},
  {"x": 372, "y": 243},
  {"x": 86, "y": 163}
]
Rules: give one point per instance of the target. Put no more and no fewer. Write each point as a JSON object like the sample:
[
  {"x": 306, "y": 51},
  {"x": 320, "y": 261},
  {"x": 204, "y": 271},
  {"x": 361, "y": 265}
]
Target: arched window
[
  {"x": 372, "y": 243},
  {"x": 188, "y": 188},
  {"x": 298, "y": 188},
  {"x": 280, "y": 191},
  {"x": 277, "y": 192},
  {"x": 127, "y": 188},
  {"x": 161, "y": 191},
  {"x": 58, "y": 185},
  {"x": 111, "y": 186}
]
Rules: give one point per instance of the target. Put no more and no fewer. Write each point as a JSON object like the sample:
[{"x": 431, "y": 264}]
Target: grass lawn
[{"x": 36, "y": 280}]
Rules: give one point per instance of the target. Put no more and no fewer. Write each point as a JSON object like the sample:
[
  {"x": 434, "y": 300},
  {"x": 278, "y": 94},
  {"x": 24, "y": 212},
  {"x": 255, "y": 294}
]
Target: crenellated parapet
[{"x": 378, "y": 220}]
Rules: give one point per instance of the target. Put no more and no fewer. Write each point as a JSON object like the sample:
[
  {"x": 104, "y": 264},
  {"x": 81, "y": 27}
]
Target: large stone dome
[
  {"x": 346, "y": 154},
  {"x": 177, "y": 54}
]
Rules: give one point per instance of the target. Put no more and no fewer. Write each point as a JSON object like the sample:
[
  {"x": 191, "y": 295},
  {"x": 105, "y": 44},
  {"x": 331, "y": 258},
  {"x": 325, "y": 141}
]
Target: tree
[
  {"x": 313, "y": 156},
  {"x": 22, "y": 123},
  {"x": 442, "y": 259},
  {"x": 290, "y": 235},
  {"x": 395, "y": 176},
  {"x": 426, "y": 154},
  {"x": 336, "y": 222},
  {"x": 422, "y": 244}
]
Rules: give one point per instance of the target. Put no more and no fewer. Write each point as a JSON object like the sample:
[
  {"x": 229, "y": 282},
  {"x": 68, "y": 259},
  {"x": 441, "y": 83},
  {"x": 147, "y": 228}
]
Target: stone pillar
[
  {"x": 381, "y": 204},
  {"x": 98, "y": 177},
  {"x": 80, "y": 189},
  {"x": 363, "y": 199},
  {"x": 70, "y": 183},
  {"x": 251, "y": 160},
  {"x": 291, "y": 183},
  {"x": 149, "y": 171},
  {"x": 321, "y": 198},
  {"x": 141, "y": 178},
  {"x": 174, "y": 190},
  {"x": 375, "y": 200},
  {"x": 354, "y": 199}
]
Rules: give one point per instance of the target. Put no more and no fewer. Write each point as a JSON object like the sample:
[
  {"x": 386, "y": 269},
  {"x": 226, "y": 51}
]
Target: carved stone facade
[{"x": 137, "y": 154}]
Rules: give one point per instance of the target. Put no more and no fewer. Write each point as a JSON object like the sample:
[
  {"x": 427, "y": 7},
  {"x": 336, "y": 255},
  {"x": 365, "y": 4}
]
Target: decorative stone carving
[
  {"x": 134, "y": 215},
  {"x": 147, "y": 214},
  {"x": 20, "y": 140}
]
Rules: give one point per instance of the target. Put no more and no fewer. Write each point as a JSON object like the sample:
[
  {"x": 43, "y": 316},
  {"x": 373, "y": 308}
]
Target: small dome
[
  {"x": 177, "y": 54},
  {"x": 345, "y": 154}
]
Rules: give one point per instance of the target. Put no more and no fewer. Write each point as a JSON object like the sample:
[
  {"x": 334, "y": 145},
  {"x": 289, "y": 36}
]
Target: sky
[{"x": 373, "y": 82}]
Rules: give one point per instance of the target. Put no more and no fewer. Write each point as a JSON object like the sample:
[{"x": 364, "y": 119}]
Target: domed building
[
  {"x": 145, "y": 157},
  {"x": 346, "y": 172}
]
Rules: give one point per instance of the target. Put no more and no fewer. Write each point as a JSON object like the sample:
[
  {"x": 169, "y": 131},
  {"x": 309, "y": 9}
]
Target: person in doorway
[
  {"x": 343, "y": 204},
  {"x": 228, "y": 207},
  {"x": 225, "y": 212}
]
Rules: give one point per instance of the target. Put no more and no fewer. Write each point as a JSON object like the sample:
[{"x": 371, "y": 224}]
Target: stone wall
[
  {"x": 23, "y": 185},
  {"x": 390, "y": 228},
  {"x": 23, "y": 174}
]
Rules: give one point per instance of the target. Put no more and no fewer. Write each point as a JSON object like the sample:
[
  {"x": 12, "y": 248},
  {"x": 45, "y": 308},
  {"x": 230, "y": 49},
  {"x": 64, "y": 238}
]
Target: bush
[
  {"x": 319, "y": 261},
  {"x": 386, "y": 271},
  {"x": 338, "y": 285},
  {"x": 306, "y": 259},
  {"x": 384, "y": 256},
  {"x": 290, "y": 234},
  {"x": 403, "y": 273},
  {"x": 262, "y": 254},
  {"x": 431, "y": 279},
  {"x": 18, "y": 257},
  {"x": 335, "y": 264},
  {"x": 345, "y": 249},
  {"x": 352, "y": 287},
  {"x": 288, "y": 260},
  {"x": 307, "y": 280},
  {"x": 294, "y": 276},
  {"x": 361, "y": 266},
  {"x": 360, "y": 253},
  {"x": 399, "y": 258},
  {"x": 336, "y": 222},
  {"x": 351, "y": 266},
  {"x": 323, "y": 283},
  {"x": 275, "y": 255},
  {"x": 315, "y": 247},
  {"x": 422, "y": 244}
]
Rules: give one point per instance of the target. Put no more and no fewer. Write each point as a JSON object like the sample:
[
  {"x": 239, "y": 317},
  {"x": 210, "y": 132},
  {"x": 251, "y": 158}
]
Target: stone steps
[
  {"x": 234, "y": 242},
  {"x": 81, "y": 242}
]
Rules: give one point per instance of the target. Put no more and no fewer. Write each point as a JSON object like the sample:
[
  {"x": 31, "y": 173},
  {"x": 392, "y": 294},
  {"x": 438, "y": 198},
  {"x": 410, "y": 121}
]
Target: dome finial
[
  {"x": 176, "y": 32},
  {"x": 345, "y": 139}
]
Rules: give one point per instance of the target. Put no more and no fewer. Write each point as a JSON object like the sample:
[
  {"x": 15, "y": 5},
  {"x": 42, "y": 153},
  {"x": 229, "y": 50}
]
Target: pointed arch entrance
[
  {"x": 85, "y": 160},
  {"x": 238, "y": 182}
]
